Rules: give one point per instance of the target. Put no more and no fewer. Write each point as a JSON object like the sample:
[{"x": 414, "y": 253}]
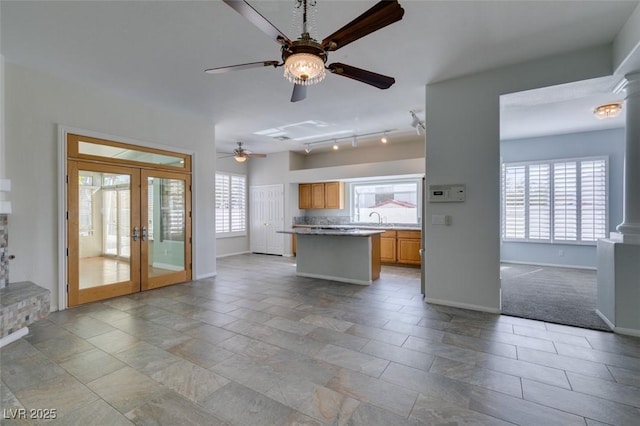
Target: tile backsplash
[{"x": 321, "y": 220}]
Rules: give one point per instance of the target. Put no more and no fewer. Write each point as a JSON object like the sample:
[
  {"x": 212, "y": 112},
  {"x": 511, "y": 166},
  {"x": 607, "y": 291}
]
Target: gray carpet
[{"x": 558, "y": 295}]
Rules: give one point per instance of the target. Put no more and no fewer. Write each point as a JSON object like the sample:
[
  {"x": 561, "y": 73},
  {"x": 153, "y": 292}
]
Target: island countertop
[{"x": 350, "y": 232}]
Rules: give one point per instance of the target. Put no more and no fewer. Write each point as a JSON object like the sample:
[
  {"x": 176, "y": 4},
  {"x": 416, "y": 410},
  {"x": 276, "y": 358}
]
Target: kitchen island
[{"x": 348, "y": 255}]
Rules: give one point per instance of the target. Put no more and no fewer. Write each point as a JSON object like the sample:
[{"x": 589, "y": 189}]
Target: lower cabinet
[
  {"x": 409, "y": 247},
  {"x": 388, "y": 247}
]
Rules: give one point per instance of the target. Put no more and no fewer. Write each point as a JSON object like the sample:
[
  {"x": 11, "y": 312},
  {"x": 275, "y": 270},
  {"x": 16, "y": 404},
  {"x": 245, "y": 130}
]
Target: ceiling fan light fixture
[
  {"x": 608, "y": 110},
  {"x": 304, "y": 69},
  {"x": 240, "y": 159},
  {"x": 384, "y": 139}
]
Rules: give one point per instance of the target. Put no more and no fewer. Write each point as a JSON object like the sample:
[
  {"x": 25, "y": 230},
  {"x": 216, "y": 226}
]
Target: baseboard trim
[
  {"x": 590, "y": 268},
  {"x": 627, "y": 331},
  {"x": 331, "y": 278},
  {"x": 605, "y": 319},
  {"x": 232, "y": 254},
  {"x": 468, "y": 306},
  {"x": 205, "y": 276},
  {"x": 618, "y": 330},
  {"x": 10, "y": 338}
]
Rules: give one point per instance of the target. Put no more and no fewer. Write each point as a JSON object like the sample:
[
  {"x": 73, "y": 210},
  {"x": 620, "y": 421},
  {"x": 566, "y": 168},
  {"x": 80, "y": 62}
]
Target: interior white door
[{"x": 266, "y": 213}]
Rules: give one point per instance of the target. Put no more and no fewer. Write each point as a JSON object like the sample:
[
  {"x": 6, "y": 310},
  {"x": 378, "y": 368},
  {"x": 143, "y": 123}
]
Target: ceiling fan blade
[
  {"x": 377, "y": 80},
  {"x": 253, "y": 16},
  {"x": 222, "y": 70},
  {"x": 299, "y": 93},
  {"x": 379, "y": 16},
  {"x": 256, "y": 155}
]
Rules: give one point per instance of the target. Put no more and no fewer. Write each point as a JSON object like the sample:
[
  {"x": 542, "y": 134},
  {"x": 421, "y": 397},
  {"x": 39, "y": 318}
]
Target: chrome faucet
[{"x": 379, "y": 218}]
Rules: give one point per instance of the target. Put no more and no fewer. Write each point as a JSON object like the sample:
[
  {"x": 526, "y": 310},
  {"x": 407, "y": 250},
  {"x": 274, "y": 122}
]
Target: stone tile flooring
[{"x": 259, "y": 346}]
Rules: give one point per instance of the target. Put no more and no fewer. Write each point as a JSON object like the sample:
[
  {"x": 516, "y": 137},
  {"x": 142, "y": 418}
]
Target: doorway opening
[{"x": 561, "y": 174}]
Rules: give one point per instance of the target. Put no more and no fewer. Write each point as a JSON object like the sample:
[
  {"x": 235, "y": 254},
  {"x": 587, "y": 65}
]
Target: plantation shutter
[
  {"x": 593, "y": 199},
  {"x": 514, "y": 202},
  {"x": 539, "y": 196},
  {"x": 565, "y": 201},
  {"x": 230, "y": 203}
]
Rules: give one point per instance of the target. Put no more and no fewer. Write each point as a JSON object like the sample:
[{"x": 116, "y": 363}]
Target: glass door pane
[
  {"x": 100, "y": 233},
  {"x": 166, "y": 252}
]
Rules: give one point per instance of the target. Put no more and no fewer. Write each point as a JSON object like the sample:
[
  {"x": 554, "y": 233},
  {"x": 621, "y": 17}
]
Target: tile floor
[{"x": 259, "y": 346}]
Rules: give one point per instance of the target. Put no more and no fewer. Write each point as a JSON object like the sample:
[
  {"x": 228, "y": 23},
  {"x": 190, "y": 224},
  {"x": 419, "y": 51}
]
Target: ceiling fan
[
  {"x": 304, "y": 59},
  {"x": 240, "y": 154}
]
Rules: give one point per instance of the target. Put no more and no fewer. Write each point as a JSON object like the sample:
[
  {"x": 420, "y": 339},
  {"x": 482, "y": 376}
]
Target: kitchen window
[
  {"x": 389, "y": 201},
  {"x": 558, "y": 201},
  {"x": 231, "y": 205}
]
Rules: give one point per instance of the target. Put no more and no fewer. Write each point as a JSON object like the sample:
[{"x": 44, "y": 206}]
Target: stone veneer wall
[
  {"x": 22, "y": 304},
  {"x": 4, "y": 251}
]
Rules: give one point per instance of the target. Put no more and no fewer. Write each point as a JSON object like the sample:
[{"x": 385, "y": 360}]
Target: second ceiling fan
[{"x": 304, "y": 59}]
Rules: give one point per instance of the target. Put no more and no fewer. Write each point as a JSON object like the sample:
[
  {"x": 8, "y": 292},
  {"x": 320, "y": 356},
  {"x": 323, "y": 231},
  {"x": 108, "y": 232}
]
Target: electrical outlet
[{"x": 561, "y": 253}]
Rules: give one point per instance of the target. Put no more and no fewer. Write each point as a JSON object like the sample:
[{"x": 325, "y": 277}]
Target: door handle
[
  {"x": 144, "y": 233},
  {"x": 135, "y": 233}
]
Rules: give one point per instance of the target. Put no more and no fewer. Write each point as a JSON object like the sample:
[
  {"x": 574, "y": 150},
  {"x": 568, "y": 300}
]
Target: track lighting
[
  {"x": 354, "y": 140},
  {"x": 416, "y": 122}
]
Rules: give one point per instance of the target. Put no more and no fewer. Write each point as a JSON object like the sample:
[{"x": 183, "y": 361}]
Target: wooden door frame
[{"x": 63, "y": 131}]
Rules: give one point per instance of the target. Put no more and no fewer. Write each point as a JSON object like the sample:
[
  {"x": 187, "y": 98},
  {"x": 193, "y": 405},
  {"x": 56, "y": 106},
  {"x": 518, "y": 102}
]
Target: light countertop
[
  {"x": 383, "y": 227},
  {"x": 341, "y": 231}
]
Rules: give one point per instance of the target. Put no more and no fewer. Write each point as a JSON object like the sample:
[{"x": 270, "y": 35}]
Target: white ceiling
[{"x": 157, "y": 51}]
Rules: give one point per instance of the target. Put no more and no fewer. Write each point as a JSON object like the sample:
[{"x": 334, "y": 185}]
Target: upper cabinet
[
  {"x": 304, "y": 196},
  {"x": 317, "y": 196},
  {"x": 322, "y": 195},
  {"x": 334, "y": 195}
]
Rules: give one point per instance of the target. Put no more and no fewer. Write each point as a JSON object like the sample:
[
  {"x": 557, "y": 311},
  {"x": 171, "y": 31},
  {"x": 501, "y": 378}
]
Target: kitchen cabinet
[
  {"x": 334, "y": 195},
  {"x": 304, "y": 196},
  {"x": 321, "y": 195},
  {"x": 317, "y": 196},
  {"x": 408, "y": 247},
  {"x": 388, "y": 247}
]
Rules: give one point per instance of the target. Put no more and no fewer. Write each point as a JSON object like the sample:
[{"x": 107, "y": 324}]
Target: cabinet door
[
  {"x": 408, "y": 250},
  {"x": 317, "y": 195},
  {"x": 334, "y": 195},
  {"x": 304, "y": 196},
  {"x": 388, "y": 249}
]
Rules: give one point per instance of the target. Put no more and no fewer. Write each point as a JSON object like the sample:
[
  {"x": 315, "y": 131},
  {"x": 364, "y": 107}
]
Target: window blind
[
  {"x": 555, "y": 201},
  {"x": 230, "y": 203}
]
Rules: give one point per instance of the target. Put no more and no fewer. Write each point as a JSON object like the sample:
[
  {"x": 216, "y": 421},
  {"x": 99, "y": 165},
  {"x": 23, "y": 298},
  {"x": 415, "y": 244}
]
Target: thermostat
[{"x": 447, "y": 193}]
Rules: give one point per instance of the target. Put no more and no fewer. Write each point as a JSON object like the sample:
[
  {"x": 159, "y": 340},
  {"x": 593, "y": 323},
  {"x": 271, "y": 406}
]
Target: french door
[{"x": 128, "y": 229}]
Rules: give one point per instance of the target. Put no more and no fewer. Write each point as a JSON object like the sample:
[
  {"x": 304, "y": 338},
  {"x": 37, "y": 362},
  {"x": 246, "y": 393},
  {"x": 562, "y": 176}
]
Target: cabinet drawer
[
  {"x": 409, "y": 234},
  {"x": 388, "y": 234}
]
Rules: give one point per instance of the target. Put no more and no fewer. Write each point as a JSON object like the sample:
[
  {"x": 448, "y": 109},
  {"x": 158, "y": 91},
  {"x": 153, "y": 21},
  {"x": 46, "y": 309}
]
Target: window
[
  {"x": 231, "y": 204},
  {"x": 394, "y": 201},
  {"x": 561, "y": 201}
]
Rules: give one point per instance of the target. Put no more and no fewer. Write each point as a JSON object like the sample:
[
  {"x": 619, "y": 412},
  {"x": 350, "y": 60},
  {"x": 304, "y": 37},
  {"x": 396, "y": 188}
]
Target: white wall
[
  {"x": 35, "y": 104},
  {"x": 396, "y": 149},
  {"x": 226, "y": 246},
  {"x": 463, "y": 142}
]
